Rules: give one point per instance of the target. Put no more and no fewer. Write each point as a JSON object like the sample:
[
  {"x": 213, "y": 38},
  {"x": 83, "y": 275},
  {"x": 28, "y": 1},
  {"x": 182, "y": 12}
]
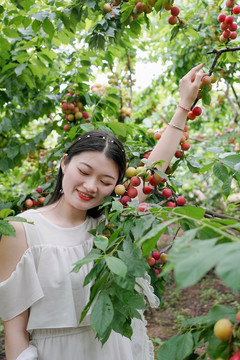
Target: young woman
[{"x": 41, "y": 300}]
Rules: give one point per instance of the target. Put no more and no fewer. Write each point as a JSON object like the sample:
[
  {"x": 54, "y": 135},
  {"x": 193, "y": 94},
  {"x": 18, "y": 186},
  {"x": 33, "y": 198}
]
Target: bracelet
[
  {"x": 183, "y": 108},
  {"x": 176, "y": 127}
]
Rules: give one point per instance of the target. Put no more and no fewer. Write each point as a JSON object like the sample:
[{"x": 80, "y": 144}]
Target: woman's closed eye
[{"x": 83, "y": 172}]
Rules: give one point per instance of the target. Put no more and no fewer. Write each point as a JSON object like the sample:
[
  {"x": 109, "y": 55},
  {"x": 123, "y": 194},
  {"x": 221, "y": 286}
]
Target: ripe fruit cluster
[
  {"x": 183, "y": 143},
  {"x": 228, "y": 26},
  {"x": 30, "y": 202},
  {"x": 73, "y": 110},
  {"x": 156, "y": 261},
  {"x": 174, "y": 10},
  {"x": 149, "y": 179}
]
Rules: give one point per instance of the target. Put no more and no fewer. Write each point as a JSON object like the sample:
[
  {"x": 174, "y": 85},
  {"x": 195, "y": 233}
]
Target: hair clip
[
  {"x": 88, "y": 136},
  {"x": 103, "y": 137}
]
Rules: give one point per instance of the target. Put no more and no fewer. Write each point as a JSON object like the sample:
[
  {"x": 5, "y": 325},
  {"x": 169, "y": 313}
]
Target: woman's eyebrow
[{"x": 90, "y": 167}]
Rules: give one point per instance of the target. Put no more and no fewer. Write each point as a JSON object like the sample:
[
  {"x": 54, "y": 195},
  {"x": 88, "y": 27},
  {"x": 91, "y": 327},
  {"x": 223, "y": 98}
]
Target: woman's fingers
[{"x": 194, "y": 71}]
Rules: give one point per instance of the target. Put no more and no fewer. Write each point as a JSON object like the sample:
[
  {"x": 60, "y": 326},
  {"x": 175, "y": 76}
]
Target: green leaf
[
  {"x": 126, "y": 12},
  {"x": 116, "y": 266},
  {"x": 93, "y": 255},
  {"x": 5, "y": 212},
  {"x": 48, "y": 27},
  {"x": 18, "y": 70},
  {"x": 101, "y": 242},
  {"x": 11, "y": 33},
  {"x": 7, "y": 229},
  {"x": 102, "y": 314},
  {"x": 95, "y": 271},
  {"x": 220, "y": 171},
  {"x": 226, "y": 188},
  {"x": 193, "y": 212},
  {"x": 87, "y": 127},
  {"x": 227, "y": 269},
  {"x": 206, "y": 98},
  {"x": 131, "y": 256},
  {"x": 195, "y": 260}
]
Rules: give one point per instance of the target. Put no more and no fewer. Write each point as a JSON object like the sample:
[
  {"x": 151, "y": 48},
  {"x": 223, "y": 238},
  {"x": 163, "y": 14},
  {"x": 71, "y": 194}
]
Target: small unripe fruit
[
  {"x": 223, "y": 329},
  {"x": 151, "y": 261},
  {"x": 156, "y": 271},
  {"x": 78, "y": 115},
  {"x": 185, "y": 146},
  {"x": 135, "y": 180},
  {"x": 167, "y": 193},
  {"x": 186, "y": 135},
  {"x": 174, "y": 11},
  {"x": 39, "y": 190},
  {"x": 221, "y": 17},
  {"x": 156, "y": 255},
  {"x": 130, "y": 172},
  {"x": 222, "y": 38},
  {"x": 163, "y": 257},
  {"x": 107, "y": 8},
  {"x": 197, "y": 110},
  {"x": 172, "y": 20},
  {"x": 146, "y": 190},
  {"x": 181, "y": 201},
  {"x": 132, "y": 192},
  {"x": 119, "y": 189},
  {"x": 70, "y": 117},
  {"x": 213, "y": 79}
]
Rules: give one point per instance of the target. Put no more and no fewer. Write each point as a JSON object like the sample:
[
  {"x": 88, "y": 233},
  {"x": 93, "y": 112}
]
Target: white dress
[{"x": 44, "y": 283}]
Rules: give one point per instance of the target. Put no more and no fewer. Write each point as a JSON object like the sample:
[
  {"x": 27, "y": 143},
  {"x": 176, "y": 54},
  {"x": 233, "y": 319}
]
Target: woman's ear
[{"x": 63, "y": 164}]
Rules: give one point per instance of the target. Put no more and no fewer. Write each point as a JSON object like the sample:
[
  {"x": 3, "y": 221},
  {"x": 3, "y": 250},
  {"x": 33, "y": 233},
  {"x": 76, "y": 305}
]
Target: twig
[
  {"x": 217, "y": 215},
  {"x": 235, "y": 94},
  {"x": 236, "y": 114},
  {"x": 215, "y": 51}
]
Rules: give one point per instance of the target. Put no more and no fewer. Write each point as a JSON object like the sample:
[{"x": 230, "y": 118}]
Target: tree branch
[{"x": 236, "y": 114}]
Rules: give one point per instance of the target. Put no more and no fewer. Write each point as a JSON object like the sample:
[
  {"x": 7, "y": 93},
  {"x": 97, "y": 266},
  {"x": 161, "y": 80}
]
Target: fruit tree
[{"x": 69, "y": 67}]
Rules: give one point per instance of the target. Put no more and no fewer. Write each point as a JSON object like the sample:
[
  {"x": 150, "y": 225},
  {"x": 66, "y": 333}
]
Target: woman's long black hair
[{"x": 95, "y": 140}]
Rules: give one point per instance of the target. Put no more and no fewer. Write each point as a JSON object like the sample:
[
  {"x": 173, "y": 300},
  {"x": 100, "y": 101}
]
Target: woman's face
[{"x": 87, "y": 179}]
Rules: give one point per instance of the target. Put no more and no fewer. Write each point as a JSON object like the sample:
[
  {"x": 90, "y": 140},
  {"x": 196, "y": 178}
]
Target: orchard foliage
[{"x": 51, "y": 55}]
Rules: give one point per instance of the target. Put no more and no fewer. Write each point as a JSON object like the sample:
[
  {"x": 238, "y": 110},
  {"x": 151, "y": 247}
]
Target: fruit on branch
[
  {"x": 171, "y": 204},
  {"x": 85, "y": 114},
  {"x": 157, "y": 271},
  {"x": 156, "y": 255},
  {"x": 151, "y": 261},
  {"x": 107, "y": 8},
  {"x": 223, "y": 329},
  {"x": 39, "y": 190},
  {"x": 143, "y": 207},
  {"x": 233, "y": 26},
  {"x": 41, "y": 199},
  {"x": 181, "y": 200},
  {"x": 172, "y": 20},
  {"x": 167, "y": 193},
  {"x": 163, "y": 257},
  {"x": 119, "y": 189},
  {"x": 132, "y": 192},
  {"x": 230, "y": 4},
  {"x": 140, "y": 7},
  {"x": 135, "y": 180},
  {"x": 28, "y": 203},
  {"x": 197, "y": 110},
  {"x": 167, "y": 6},
  {"x": 130, "y": 172},
  {"x": 125, "y": 199},
  {"x": 221, "y": 17},
  {"x": 175, "y": 11},
  {"x": 238, "y": 316},
  {"x": 185, "y": 146},
  {"x": 206, "y": 80},
  {"x": 236, "y": 10},
  {"x": 146, "y": 189},
  {"x": 229, "y": 19},
  {"x": 66, "y": 127},
  {"x": 178, "y": 154},
  {"x": 157, "y": 135},
  {"x": 191, "y": 115},
  {"x": 222, "y": 38}
]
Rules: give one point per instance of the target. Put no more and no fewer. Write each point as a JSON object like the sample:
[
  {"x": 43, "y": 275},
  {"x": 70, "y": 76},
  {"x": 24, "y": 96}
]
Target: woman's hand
[{"x": 189, "y": 86}]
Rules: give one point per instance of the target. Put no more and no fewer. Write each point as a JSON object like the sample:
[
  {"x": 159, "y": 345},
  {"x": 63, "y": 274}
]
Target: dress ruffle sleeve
[
  {"x": 29, "y": 354},
  {"x": 21, "y": 289}
]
